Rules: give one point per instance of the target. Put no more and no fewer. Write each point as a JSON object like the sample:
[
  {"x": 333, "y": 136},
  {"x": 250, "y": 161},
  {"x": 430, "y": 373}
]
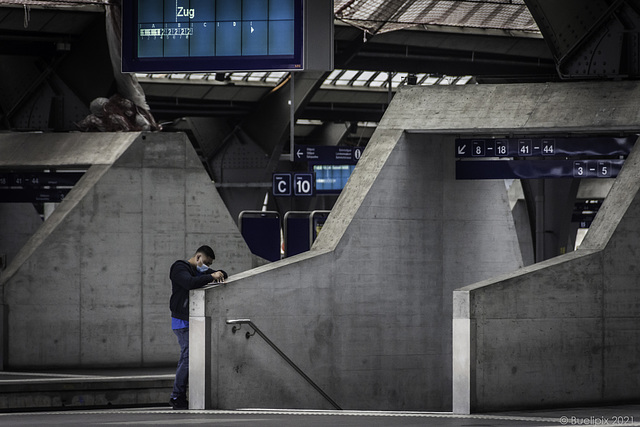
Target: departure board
[{"x": 212, "y": 35}]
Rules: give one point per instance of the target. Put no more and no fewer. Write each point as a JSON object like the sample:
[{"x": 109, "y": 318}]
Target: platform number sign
[
  {"x": 548, "y": 147},
  {"x": 303, "y": 184},
  {"x": 502, "y": 147},
  {"x": 525, "y": 147},
  {"x": 580, "y": 169},
  {"x": 604, "y": 169},
  {"x": 479, "y": 148}
]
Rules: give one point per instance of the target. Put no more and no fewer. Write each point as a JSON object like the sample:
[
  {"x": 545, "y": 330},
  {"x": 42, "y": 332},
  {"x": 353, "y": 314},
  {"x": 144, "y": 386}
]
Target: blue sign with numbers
[
  {"x": 544, "y": 147},
  {"x": 536, "y": 169},
  {"x": 303, "y": 184}
]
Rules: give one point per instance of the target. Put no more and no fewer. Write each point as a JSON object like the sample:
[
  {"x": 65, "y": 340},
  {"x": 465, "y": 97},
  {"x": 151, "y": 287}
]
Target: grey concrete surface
[
  {"x": 563, "y": 332},
  {"x": 614, "y": 415},
  {"x": 77, "y": 389},
  {"x": 18, "y": 222},
  {"x": 367, "y": 312},
  {"x": 90, "y": 287}
]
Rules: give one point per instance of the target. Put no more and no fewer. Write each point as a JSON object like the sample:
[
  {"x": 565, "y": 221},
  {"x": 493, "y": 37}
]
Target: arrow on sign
[
  {"x": 462, "y": 149},
  {"x": 299, "y": 153}
]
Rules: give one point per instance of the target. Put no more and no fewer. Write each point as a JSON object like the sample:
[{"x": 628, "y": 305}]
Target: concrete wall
[
  {"x": 90, "y": 287},
  {"x": 563, "y": 332},
  {"x": 18, "y": 222},
  {"x": 367, "y": 318},
  {"x": 366, "y": 313}
]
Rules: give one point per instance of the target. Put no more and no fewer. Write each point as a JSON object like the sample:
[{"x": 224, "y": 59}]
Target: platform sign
[
  {"x": 525, "y": 147},
  {"x": 544, "y": 147},
  {"x": 303, "y": 184},
  {"x": 502, "y": 147},
  {"x": 548, "y": 147},
  {"x": 212, "y": 35},
  {"x": 478, "y": 148},
  {"x": 327, "y": 154},
  {"x": 537, "y": 169},
  {"x": 281, "y": 184},
  {"x": 30, "y": 195}
]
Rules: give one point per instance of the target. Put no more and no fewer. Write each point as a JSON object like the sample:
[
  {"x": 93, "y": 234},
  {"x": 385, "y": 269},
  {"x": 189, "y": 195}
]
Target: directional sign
[
  {"x": 30, "y": 195},
  {"x": 535, "y": 169},
  {"x": 39, "y": 179},
  {"x": 327, "y": 154},
  {"x": 544, "y": 147},
  {"x": 281, "y": 184},
  {"x": 303, "y": 184}
]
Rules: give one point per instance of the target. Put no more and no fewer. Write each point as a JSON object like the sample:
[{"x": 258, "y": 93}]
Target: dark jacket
[{"x": 185, "y": 277}]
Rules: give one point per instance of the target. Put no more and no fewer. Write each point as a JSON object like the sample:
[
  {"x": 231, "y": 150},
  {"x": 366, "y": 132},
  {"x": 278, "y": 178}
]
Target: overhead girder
[
  {"x": 591, "y": 39},
  {"x": 445, "y": 52},
  {"x": 242, "y": 154},
  {"x": 268, "y": 124}
]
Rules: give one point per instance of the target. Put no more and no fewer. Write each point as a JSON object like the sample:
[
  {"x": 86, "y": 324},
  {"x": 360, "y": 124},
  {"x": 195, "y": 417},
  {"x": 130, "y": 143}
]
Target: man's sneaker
[{"x": 179, "y": 403}]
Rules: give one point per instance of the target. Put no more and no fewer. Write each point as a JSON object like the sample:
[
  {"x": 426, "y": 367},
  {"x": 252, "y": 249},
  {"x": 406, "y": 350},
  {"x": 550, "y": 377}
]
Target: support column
[
  {"x": 199, "y": 353},
  {"x": 463, "y": 378}
]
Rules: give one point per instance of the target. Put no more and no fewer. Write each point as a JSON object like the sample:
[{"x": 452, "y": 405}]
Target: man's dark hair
[{"x": 206, "y": 251}]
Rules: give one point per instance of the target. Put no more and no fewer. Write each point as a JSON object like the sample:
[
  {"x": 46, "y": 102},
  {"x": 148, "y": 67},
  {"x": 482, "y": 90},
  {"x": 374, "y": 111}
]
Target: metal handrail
[{"x": 284, "y": 356}]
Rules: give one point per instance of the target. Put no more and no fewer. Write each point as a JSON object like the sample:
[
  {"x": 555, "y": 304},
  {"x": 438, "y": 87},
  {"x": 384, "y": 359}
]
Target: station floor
[{"x": 628, "y": 415}]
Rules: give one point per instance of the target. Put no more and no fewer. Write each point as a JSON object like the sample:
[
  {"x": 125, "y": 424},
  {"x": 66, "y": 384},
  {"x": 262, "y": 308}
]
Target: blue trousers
[{"x": 182, "y": 373}]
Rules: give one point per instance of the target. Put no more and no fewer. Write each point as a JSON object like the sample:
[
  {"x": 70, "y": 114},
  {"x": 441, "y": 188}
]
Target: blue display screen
[
  {"x": 211, "y": 35},
  {"x": 332, "y": 178}
]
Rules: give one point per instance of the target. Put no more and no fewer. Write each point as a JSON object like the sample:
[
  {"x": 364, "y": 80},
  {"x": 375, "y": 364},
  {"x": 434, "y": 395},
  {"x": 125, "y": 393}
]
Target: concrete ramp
[
  {"x": 90, "y": 287},
  {"x": 564, "y": 332},
  {"x": 367, "y": 313}
]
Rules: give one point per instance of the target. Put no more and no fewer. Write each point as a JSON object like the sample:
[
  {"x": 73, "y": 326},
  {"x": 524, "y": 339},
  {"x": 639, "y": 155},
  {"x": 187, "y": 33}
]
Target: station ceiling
[{"x": 379, "y": 46}]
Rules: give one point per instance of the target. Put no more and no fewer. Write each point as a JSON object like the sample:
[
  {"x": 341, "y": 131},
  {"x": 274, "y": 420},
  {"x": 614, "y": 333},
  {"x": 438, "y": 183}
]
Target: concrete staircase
[{"x": 51, "y": 390}]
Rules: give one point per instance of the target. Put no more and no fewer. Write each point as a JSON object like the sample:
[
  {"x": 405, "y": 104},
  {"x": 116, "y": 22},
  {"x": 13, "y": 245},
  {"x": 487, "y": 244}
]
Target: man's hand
[{"x": 218, "y": 277}]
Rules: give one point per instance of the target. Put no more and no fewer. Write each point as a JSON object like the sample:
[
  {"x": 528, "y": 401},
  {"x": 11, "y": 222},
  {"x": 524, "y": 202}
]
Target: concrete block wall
[
  {"x": 90, "y": 288},
  {"x": 366, "y": 313},
  {"x": 18, "y": 222},
  {"x": 564, "y": 332}
]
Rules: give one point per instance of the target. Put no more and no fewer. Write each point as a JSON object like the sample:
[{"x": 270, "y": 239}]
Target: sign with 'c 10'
[{"x": 300, "y": 185}]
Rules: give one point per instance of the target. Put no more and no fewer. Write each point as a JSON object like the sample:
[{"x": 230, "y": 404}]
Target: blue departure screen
[
  {"x": 212, "y": 35},
  {"x": 332, "y": 178}
]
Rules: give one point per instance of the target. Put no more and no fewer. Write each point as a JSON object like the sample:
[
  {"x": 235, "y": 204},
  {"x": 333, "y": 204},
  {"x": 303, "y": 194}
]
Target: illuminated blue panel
[
  {"x": 228, "y": 39},
  {"x": 281, "y": 9},
  {"x": 281, "y": 37},
  {"x": 176, "y": 39},
  {"x": 254, "y": 38},
  {"x": 203, "y": 40},
  {"x": 255, "y": 10},
  {"x": 212, "y": 35},
  {"x": 332, "y": 178},
  {"x": 148, "y": 11},
  {"x": 150, "y": 43},
  {"x": 229, "y": 10},
  {"x": 205, "y": 10}
]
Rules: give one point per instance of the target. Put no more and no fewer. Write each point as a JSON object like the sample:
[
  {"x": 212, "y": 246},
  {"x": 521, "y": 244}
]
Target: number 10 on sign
[{"x": 303, "y": 184}]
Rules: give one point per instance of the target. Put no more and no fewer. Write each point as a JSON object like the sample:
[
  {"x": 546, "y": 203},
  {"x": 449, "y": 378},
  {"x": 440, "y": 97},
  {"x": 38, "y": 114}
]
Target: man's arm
[{"x": 181, "y": 275}]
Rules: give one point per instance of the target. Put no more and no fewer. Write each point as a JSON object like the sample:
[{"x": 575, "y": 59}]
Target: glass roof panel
[
  {"x": 337, "y": 78},
  {"x": 363, "y": 78},
  {"x": 378, "y": 16}
]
